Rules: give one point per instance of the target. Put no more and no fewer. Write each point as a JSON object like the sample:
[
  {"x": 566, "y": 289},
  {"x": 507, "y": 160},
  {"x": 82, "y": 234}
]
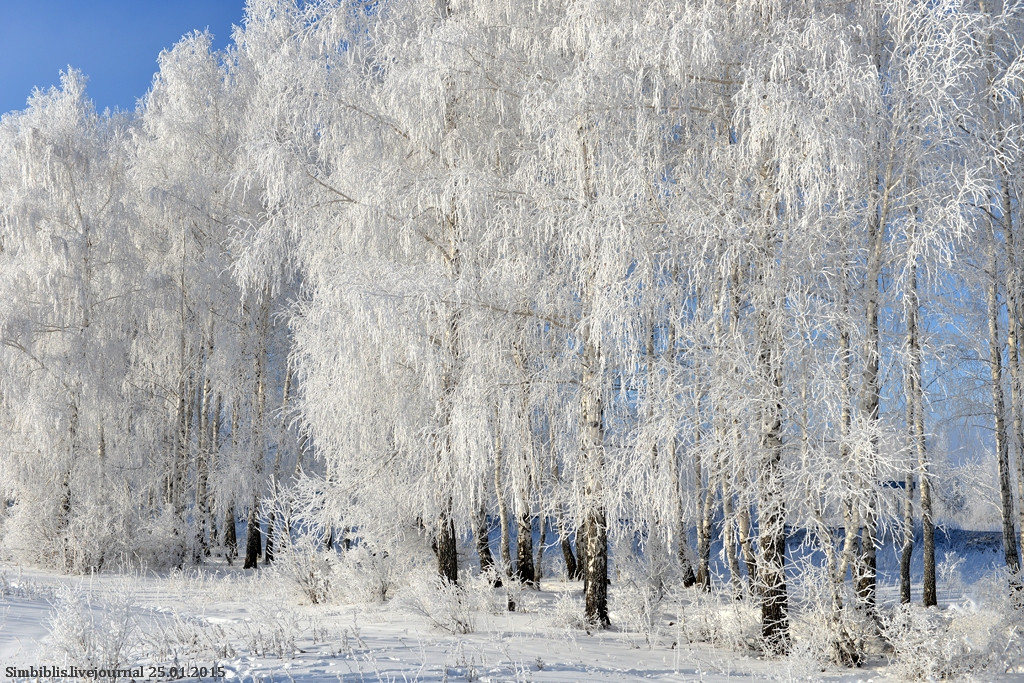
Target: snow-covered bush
[
  {"x": 104, "y": 635},
  {"x": 568, "y": 613},
  {"x": 509, "y": 596},
  {"x": 641, "y": 590},
  {"x": 30, "y": 533},
  {"x": 823, "y": 633},
  {"x": 366, "y": 573},
  {"x": 310, "y": 569},
  {"x": 176, "y": 637},
  {"x": 447, "y": 606},
  {"x": 273, "y": 629},
  {"x": 980, "y": 635},
  {"x": 160, "y": 543},
  {"x": 923, "y": 647},
  {"x": 716, "y": 617}
]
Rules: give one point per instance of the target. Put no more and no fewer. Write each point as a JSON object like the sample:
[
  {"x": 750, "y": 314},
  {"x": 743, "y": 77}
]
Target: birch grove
[{"x": 461, "y": 282}]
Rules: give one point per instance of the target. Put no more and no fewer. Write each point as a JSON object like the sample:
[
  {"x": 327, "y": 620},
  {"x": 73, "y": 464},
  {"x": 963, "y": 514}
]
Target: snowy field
[{"x": 260, "y": 627}]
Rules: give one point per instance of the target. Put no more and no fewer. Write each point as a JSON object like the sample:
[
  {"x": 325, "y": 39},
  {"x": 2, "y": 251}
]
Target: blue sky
[{"x": 113, "y": 42}]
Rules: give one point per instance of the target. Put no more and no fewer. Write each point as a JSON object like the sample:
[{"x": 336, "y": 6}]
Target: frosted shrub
[
  {"x": 922, "y": 645},
  {"x": 641, "y": 591},
  {"x": 309, "y": 569},
  {"x": 716, "y": 617},
  {"x": 93, "y": 636},
  {"x": 969, "y": 639},
  {"x": 272, "y": 630},
  {"x": 950, "y": 572},
  {"x": 99, "y": 533},
  {"x": 636, "y": 606},
  {"x": 822, "y": 633},
  {"x": 568, "y": 613},
  {"x": 495, "y": 600},
  {"x": 180, "y": 638},
  {"x": 159, "y": 543},
  {"x": 447, "y": 606},
  {"x": 30, "y": 533},
  {"x": 368, "y": 574},
  {"x": 1002, "y": 621}
]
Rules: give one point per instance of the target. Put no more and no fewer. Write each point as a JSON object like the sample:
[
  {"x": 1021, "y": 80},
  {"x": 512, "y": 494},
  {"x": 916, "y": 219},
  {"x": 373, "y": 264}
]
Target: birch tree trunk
[
  {"x": 275, "y": 476},
  {"x": 525, "y": 570},
  {"x": 595, "y": 526},
  {"x": 230, "y": 516},
  {"x": 705, "y": 502},
  {"x": 1015, "y": 329},
  {"x": 505, "y": 550},
  {"x": 524, "y": 549},
  {"x": 771, "y": 502},
  {"x": 729, "y": 541},
  {"x": 915, "y": 411},
  {"x": 999, "y": 409},
  {"x": 538, "y": 561},
  {"x": 206, "y": 420},
  {"x": 254, "y": 535},
  {"x": 482, "y": 532},
  {"x": 215, "y": 439},
  {"x": 869, "y": 399},
  {"x": 680, "y": 531}
]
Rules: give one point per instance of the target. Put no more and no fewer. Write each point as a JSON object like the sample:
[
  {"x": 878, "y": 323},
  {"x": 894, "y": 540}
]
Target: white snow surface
[{"x": 248, "y": 624}]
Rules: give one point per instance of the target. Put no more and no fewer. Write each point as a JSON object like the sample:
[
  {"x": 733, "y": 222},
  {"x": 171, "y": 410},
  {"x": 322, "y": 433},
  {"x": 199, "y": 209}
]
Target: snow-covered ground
[{"x": 256, "y": 627}]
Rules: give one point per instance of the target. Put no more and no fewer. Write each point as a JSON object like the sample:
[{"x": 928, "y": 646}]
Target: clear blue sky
[{"x": 113, "y": 42}]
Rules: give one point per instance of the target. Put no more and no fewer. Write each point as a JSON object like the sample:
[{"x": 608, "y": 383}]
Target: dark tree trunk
[
  {"x": 998, "y": 410},
  {"x": 230, "y": 535},
  {"x": 268, "y": 552},
  {"x": 581, "y": 554},
  {"x": 592, "y": 432},
  {"x": 704, "y": 527},
  {"x": 253, "y": 538},
  {"x": 772, "y": 527},
  {"x": 771, "y": 502},
  {"x": 915, "y": 414},
  {"x": 908, "y": 540},
  {"x": 746, "y": 540},
  {"x": 866, "y": 575},
  {"x": 215, "y": 428},
  {"x": 538, "y": 562},
  {"x": 524, "y": 549},
  {"x": 447, "y": 547},
  {"x": 930, "y": 596},
  {"x": 596, "y": 570},
  {"x": 867, "y": 569},
  {"x": 482, "y": 531},
  {"x": 572, "y": 569}
]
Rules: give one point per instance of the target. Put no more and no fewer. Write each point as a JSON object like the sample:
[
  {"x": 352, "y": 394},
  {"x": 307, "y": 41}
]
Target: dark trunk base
[
  {"x": 524, "y": 551},
  {"x": 905, "y": 554},
  {"x": 572, "y": 570},
  {"x": 483, "y": 550},
  {"x": 253, "y": 540},
  {"x": 774, "y": 599},
  {"x": 268, "y": 552},
  {"x": 447, "y": 550},
  {"x": 596, "y": 571},
  {"x": 930, "y": 595},
  {"x": 230, "y": 536}
]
